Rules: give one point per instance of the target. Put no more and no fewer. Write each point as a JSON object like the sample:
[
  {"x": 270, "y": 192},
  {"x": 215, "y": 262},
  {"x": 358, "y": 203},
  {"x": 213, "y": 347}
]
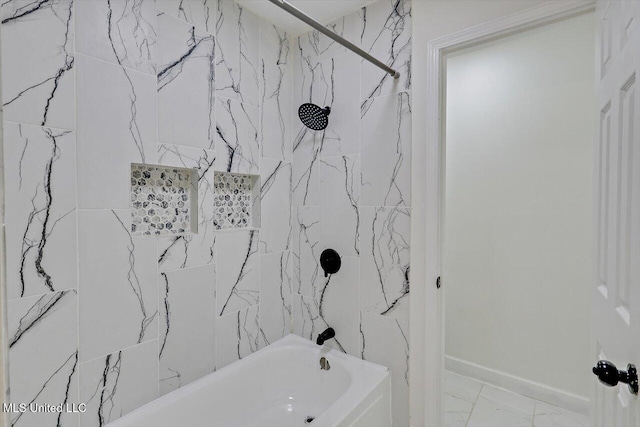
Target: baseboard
[{"x": 554, "y": 396}]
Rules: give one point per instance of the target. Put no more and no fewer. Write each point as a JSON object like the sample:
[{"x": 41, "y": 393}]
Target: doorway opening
[{"x": 517, "y": 227}]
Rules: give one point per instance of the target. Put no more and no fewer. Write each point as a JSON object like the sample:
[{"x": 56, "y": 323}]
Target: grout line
[
  {"x": 115, "y": 64},
  {"x": 474, "y": 403},
  {"x": 77, "y": 211},
  {"x": 80, "y": 363}
]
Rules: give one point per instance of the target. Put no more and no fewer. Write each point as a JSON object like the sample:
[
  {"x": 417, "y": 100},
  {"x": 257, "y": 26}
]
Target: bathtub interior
[{"x": 281, "y": 385}]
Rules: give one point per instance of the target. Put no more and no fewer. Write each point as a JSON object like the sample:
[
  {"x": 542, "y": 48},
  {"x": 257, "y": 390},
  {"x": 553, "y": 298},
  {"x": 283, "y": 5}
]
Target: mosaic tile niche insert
[
  {"x": 164, "y": 200},
  {"x": 236, "y": 200}
]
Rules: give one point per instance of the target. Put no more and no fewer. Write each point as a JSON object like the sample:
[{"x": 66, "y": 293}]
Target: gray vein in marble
[
  {"x": 321, "y": 306},
  {"x": 69, "y": 59},
  {"x": 44, "y": 306},
  {"x": 406, "y": 351},
  {"x": 167, "y": 318},
  {"x": 269, "y": 94},
  {"x": 110, "y": 374},
  {"x": 245, "y": 295},
  {"x": 134, "y": 282},
  {"x": 66, "y": 393},
  {"x": 388, "y": 241},
  {"x": 204, "y": 163},
  {"x": 176, "y": 375},
  {"x": 133, "y": 97},
  {"x": 236, "y": 83},
  {"x": 305, "y": 239},
  {"x": 364, "y": 343},
  {"x": 235, "y": 152},
  {"x": 40, "y": 216},
  {"x": 305, "y": 178},
  {"x": 395, "y": 24},
  {"x": 404, "y": 110},
  {"x": 74, "y": 358}
]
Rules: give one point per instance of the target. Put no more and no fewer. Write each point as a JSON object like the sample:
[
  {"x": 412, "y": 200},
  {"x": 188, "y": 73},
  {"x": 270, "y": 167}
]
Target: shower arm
[{"x": 327, "y": 32}]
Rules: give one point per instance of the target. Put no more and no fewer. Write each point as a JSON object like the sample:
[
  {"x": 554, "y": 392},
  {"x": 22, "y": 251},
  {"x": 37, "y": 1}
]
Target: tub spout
[{"x": 326, "y": 335}]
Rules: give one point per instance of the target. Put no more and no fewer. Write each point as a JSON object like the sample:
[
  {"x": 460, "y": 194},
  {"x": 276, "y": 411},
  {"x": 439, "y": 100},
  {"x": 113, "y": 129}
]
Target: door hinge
[{"x": 438, "y": 283}]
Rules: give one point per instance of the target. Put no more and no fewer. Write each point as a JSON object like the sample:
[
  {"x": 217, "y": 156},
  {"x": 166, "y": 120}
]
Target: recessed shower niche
[
  {"x": 164, "y": 200},
  {"x": 236, "y": 201}
]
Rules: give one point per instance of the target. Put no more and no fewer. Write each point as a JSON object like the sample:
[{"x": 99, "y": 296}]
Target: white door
[{"x": 616, "y": 323}]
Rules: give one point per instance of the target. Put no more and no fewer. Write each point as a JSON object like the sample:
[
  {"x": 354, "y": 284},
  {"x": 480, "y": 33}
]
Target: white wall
[{"x": 518, "y": 204}]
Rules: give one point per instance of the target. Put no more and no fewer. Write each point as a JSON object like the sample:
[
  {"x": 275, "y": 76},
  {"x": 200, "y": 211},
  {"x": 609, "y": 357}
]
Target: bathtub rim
[{"x": 335, "y": 413}]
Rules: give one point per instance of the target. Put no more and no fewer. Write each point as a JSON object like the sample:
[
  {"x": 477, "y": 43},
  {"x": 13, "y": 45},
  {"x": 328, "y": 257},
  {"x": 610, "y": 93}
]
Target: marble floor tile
[
  {"x": 461, "y": 387},
  {"x": 456, "y": 419},
  {"x": 470, "y": 403},
  {"x": 551, "y": 416},
  {"x": 505, "y": 397},
  {"x": 491, "y": 413}
]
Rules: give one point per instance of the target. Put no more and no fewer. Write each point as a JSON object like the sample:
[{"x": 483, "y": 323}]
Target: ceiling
[{"x": 323, "y": 11}]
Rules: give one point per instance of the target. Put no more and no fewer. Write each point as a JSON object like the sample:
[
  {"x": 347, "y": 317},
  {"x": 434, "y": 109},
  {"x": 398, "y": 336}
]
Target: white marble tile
[
  {"x": 307, "y": 322},
  {"x": 238, "y": 271},
  {"x": 276, "y": 75},
  {"x": 115, "y": 384},
  {"x": 199, "y": 13},
  {"x": 237, "y": 50},
  {"x": 332, "y": 307},
  {"x": 116, "y": 127},
  {"x": 457, "y": 405},
  {"x": 456, "y": 419},
  {"x": 187, "y": 326},
  {"x": 121, "y": 32},
  {"x": 306, "y": 157},
  {"x": 275, "y": 279},
  {"x": 43, "y": 350},
  {"x": 385, "y": 256},
  {"x": 197, "y": 249},
  {"x": 461, "y": 387},
  {"x": 386, "y": 152},
  {"x": 333, "y": 83},
  {"x": 490, "y": 413},
  {"x": 306, "y": 250},
  {"x": 340, "y": 204},
  {"x": 186, "y": 84},
  {"x": 275, "y": 295},
  {"x": 386, "y": 34},
  {"x": 386, "y": 341},
  {"x": 237, "y": 142},
  {"x": 316, "y": 47},
  {"x": 275, "y": 205},
  {"x": 118, "y": 281},
  {"x": 337, "y": 305},
  {"x": 551, "y": 416},
  {"x": 40, "y": 183},
  {"x": 38, "y": 63},
  {"x": 238, "y": 335}
]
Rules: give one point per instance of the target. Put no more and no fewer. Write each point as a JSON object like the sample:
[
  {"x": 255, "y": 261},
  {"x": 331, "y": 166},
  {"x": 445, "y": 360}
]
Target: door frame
[{"x": 427, "y": 218}]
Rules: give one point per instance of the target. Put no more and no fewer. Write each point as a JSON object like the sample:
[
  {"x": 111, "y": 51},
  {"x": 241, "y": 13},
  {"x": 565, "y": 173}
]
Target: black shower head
[{"x": 314, "y": 117}]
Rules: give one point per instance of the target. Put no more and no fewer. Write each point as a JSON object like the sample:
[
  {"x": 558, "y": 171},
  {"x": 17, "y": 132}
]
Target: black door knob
[{"x": 609, "y": 375}]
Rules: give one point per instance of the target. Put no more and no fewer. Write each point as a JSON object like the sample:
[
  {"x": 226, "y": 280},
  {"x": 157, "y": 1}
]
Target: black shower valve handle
[{"x": 330, "y": 262}]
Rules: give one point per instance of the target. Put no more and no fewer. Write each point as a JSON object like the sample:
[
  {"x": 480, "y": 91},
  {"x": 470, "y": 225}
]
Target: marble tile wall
[
  {"x": 351, "y": 191},
  {"x": 98, "y": 314}
]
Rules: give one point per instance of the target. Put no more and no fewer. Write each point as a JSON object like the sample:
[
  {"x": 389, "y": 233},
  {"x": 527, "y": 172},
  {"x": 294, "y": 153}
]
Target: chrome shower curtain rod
[{"x": 327, "y": 32}]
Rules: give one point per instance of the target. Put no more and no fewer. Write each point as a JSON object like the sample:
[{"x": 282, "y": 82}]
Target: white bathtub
[{"x": 281, "y": 385}]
